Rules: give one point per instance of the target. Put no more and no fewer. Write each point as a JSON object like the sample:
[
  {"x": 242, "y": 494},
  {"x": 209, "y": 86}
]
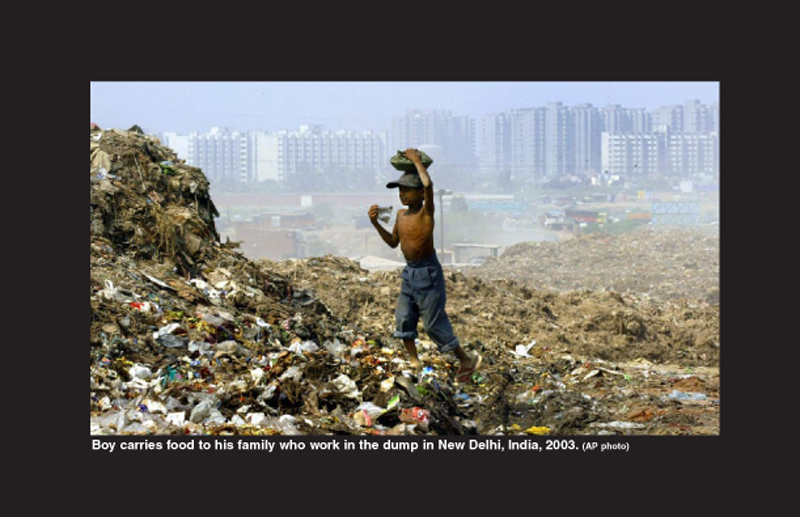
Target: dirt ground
[{"x": 187, "y": 336}]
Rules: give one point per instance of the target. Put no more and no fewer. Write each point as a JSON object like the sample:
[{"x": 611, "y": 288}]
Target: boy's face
[{"x": 410, "y": 196}]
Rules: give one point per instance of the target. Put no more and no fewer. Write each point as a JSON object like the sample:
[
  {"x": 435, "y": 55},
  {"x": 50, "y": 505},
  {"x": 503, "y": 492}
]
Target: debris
[{"x": 187, "y": 336}]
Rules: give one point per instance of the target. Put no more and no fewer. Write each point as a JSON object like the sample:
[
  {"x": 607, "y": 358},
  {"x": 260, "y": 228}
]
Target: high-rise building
[
  {"x": 617, "y": 119},
  {"x": 633, "y": 154},
  {"x": 453, "y": 136},
  {"x": 559, "y": 139},
  {"x": 512, "y": 146},
  {"x": 264, "y": 154},
  {"x": 697, "y": 118},
  {"x": 692, "y": 154},
  {"x": 587, "y": 128},
  {"x": 330, "y": 155},
  {"x": 528, "y": 142},
  {"x": 495, "y": 146},
  {"x": 668, "y": 118},
  {"x": 221, "y": 154}
]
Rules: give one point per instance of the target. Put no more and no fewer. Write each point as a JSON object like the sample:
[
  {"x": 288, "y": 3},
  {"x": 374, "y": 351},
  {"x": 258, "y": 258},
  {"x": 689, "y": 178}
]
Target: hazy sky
[{"x": 197, "y": 106}]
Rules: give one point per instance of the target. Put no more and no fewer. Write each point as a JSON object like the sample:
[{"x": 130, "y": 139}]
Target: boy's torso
[{"x": 415, "y": 230}]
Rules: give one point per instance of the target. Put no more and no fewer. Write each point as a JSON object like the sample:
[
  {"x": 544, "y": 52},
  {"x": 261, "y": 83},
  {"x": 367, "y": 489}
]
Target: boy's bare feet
[
  {"x": 413, "y": 358},
  {"x": 468, "y": 367}
]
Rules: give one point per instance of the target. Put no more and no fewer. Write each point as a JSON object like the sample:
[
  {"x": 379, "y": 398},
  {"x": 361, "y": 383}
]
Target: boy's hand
[
  {"x": 373, "y": 213},
  {"x": 412, "y": 154}
]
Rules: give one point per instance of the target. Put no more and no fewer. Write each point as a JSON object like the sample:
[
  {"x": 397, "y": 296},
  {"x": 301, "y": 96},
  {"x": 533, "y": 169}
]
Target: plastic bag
[{"x": 401, "y": 163}]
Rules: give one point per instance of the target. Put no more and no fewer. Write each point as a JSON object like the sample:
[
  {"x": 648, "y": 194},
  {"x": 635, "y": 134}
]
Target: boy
[{"x": 422, "y": 292}]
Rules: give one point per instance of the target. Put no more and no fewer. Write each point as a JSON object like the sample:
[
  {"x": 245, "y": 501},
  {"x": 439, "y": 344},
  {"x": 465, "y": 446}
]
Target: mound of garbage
[
  {"x": 187, "y": 336},
  {"x": 667, "y": 264}
]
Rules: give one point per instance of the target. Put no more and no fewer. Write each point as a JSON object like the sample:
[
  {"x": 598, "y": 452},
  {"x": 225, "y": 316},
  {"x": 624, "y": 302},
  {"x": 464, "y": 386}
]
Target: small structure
[{"x": 468, "y": 253}]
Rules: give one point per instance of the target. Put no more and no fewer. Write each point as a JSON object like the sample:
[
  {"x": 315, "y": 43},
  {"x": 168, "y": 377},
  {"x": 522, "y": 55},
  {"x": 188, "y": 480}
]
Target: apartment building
[
  {"x": 558, "y": 140},
  {"x": 454, "y": 136},
  {"x": 633, "y": 154},
  {"x": 495, "y": 154},
  {"x": 617, "y": 119},
  {"x": 222, "y": 154},
  {"x": 511, "y": 147},
  {"x": 247, "y": 156},
  {"x": 691, "y": 154},
  {"x": 315, "y": 150}
]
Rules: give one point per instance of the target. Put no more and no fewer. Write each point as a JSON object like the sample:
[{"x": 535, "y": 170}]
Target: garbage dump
[
  {"x": 188, "y": 337},
  {"x": 666, "y": 264}
]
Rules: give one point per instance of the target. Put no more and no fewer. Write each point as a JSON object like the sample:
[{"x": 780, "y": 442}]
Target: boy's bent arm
[{"x": 392, "y": 239}]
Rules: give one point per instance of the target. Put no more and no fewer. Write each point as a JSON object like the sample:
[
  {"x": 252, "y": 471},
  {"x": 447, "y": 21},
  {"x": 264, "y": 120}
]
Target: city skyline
[
  {"x": 517, "y": 146},
  {"x": 185, "y": 107}
]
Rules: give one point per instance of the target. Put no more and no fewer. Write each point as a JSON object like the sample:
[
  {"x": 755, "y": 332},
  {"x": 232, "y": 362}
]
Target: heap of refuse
[
  {"x": 666, "y": 263},
  {"x": 187, "y": 336}
]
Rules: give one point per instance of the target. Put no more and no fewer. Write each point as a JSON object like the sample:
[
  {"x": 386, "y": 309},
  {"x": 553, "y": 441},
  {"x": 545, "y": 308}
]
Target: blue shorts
[{"x": 422, "y": 293}]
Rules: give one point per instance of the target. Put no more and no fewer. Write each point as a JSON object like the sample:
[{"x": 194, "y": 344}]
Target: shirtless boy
[{"x": 422, "y": 292}]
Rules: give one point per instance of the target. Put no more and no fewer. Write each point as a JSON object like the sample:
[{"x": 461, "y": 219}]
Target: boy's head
[{"x": 410, "y": 186}]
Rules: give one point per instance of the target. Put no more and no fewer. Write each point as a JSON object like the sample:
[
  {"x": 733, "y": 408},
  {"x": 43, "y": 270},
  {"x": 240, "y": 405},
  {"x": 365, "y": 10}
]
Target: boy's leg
[
  {"x": 437, "y": 324},
  {"x": 406, "y": 319}
]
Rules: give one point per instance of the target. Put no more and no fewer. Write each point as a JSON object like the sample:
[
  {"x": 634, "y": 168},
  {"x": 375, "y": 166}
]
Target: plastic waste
[
  {"x": 138, "y": 371},
  {"x": 335, "y": 347},
  {"x": 200, "y": 411},
  {"x": 417, "y": 416},
  {"x": 393, "y": 402},
  {"x": 294, "y": 373},
  {"x": 384, "y": 213},
  {"x": 407, "y": 385},
  {"x": 229, "y": 347},
  {"x": 176, "y": 418},
  {"x": 387, "y": 384},
  {"x": 522, "y": 350},
  {"x": 346, "y": 386},
  {"x": 171, "y": 341},
  {"x": 537, "y": 430},
  {"x": 366, "y": 413},
  {"x": 305, "y": 346},
  {"x": 617, "y": 425},
  {"x": 257, "y": 374},
  {"x": 683, "y": 395},
  {"x": 110, "y": 292}
]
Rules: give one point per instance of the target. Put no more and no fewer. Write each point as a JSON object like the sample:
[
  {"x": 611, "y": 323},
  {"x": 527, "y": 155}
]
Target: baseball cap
[{"x": 408, "y": 179}]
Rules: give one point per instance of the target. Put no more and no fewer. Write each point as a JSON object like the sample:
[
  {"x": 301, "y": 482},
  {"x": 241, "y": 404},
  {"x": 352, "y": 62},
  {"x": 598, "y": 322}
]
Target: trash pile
[
  {"x": 187, "y": 336},
  {"x": 667, "y": 264}
]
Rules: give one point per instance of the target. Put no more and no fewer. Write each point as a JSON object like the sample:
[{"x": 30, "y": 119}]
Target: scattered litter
[{"x": 187, "y": 336}]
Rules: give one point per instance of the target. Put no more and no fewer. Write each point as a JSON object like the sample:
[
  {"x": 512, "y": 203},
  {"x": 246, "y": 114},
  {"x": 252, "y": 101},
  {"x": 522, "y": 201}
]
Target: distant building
[
  {"x": 178, "y": 143},
  {"x": 692, "y": 154},
  {"x": 667, "y": 153},
  {"x": 223, "y": 155},
  {"x": 617, "y": 119},
  {"x": 510, "y": 148},
  {"x": 632, "y": 154},
  {"x": 248, "y": 156},
  {"x": 452, "y": 137},
  {"x": 316, "y": 150}
]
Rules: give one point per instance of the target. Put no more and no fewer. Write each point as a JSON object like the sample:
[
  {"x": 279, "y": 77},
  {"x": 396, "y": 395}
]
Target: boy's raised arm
[{"x": 427, "y": 182}]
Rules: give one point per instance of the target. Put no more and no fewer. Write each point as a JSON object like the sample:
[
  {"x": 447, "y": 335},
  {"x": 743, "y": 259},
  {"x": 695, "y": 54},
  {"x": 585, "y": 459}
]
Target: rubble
[{"x": 187, "y": 336}]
